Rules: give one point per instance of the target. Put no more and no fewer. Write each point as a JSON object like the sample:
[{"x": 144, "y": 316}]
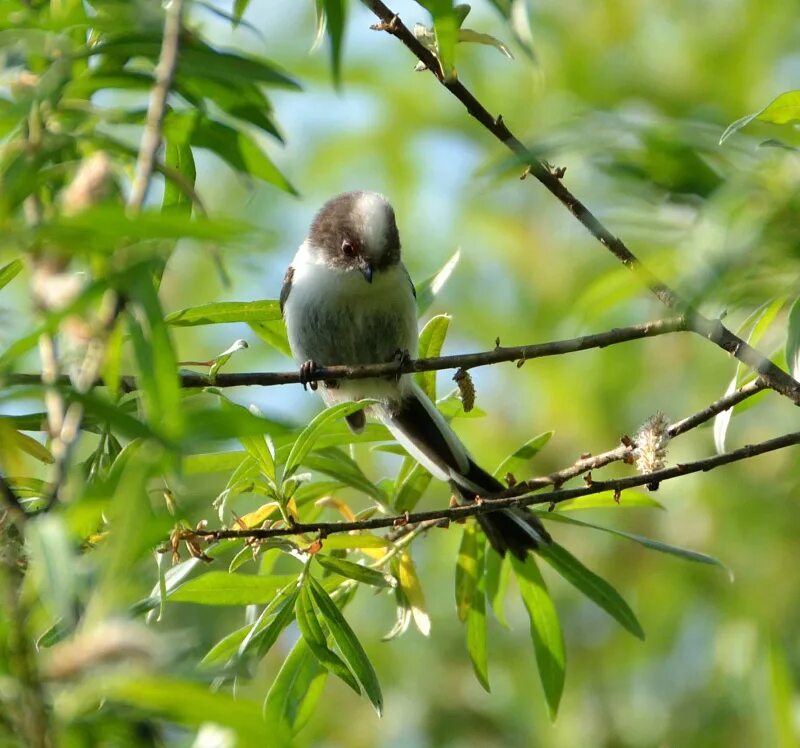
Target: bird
[{"x": 347, "y": 298}]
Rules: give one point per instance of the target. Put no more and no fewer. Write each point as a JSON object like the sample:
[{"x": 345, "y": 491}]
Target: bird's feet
[
  {"x": 308, "y": 370},
  {"x": 402, "y": 357}
]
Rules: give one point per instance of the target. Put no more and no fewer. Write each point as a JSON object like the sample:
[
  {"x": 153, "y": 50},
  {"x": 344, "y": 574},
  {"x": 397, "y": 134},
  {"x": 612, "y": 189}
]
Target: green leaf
[
  {"x": 317, "y": 640},
  {"x": 221, "y": 588},
  {"x": 197, "y": 59},
  {"x": 467, "y": 570},
  {"x": 192, "y": 704},
  {"x": 178, "y": 156},
  {"x": 337, "y": 464},
  {"x": 476, "y": 37},
  {"x": 783, "y": 110},
  {"x": 238, "y": 149},
  {"x": 25, "y": 443},
  {"x": 496, "y": 576},
  {"x": 408, "y": 580},
  {"x": 309, "y": 435},
  {"x": 413, "y": 485},
  {"x": 274, "y": 334},
  {"x": 429, "y": 289},
  {"x": 518, "y": 460},
  {"x": 431, "y": 340},
  {"x": 294, "y": 694},
  {"x": 262, "y": 450},
  {"x": 476, "y": 638},
  {"x": 9, "y": 272},
  {"x": 354, "y": 571},
  {"x": 348, "y": 644},
  {"x": 224, "y": 649},
  {"x": 155, "y": 357},
  {"x": 793, "y": 340},
  {"x": 263, "y": 639},
  {"x": 781, "y": 697},
  {"x": 606, "y": 500},
  {"x": 655, "y": 545},
  {"x": 548, "y": 640},
  {"x": 335, "y": 14},
  {"x": 591, "y": 585},
  {"x": 360, "y": 540},
  {"x": 445, "y": 24},
  {"x": 516, "y": 14},
  {"x": 239, "y": 8}
]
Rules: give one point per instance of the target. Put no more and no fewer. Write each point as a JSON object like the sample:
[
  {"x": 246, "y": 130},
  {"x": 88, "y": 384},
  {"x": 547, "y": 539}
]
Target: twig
[
  {"x": 409, "y": 366},
  {"x": 493, "y": 504},
  {"x": 714, "y": 330},
  {"x": 626, "y": 450},
  {"x": 151, "y": 137}
]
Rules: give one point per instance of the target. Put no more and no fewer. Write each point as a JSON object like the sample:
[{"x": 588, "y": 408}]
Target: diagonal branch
[
  {"x": 489, "y": 505},
  {"x": 714, "y": 330}
]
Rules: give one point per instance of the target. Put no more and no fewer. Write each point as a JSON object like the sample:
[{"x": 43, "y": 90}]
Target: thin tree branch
[
  {"x": 626, "y": 451},
  {"x": 499, "y": 354},
  {"x": 491, "y": 504},
  {"x": 714, "y": 330}
]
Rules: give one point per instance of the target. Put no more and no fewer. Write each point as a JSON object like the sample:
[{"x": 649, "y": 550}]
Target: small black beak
[{"x": 366, "y": 270}]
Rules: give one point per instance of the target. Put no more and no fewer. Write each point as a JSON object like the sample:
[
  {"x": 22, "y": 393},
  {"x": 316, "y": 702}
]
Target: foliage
[{"x": 103, "y": 644}]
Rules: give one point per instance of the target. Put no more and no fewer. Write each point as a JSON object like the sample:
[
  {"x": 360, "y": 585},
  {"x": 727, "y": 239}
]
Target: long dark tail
[{"x": 423, "y": 431}]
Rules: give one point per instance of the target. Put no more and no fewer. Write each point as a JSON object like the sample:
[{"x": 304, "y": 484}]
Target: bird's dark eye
[{"x": 348, "y": 250}]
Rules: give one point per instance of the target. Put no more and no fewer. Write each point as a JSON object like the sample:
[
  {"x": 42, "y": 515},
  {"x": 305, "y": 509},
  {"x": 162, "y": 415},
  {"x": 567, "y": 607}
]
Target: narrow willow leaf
[
  {"x": 155, "y": 357},
  {"x": 793, "y": 340},
  {"x": 221, "y": 588},
  {"x": 348, "y": 644},
  {"x": 783, "y": 110},
  {"x": 723, "y": 419},
  {"x": 607, "y": 500},
  {"x": 308, "y": 436},
  {"x": 412, "y": 487},
  {"x": 261, "y": 449},
  {"x": 431, "y": 340},
  {"x": 445, "y": 24},
  {"x": 239, "y": 8},
  {"x": 429, "y": 289},
  {"x": 354, "y": 571},
  {"x": 476, "y": 621},
  {"x": 334, "y": 24},
  {"x": 294, "y": 693},
  {"x": 178, "y": 156},
  {"x": 518, "y": 460},
  {"x": 548, "y": 640},
  {"x": 224, "y": 649},
  {"x": 476, "y": 37},
  {"x": 403, "y": 620},
  {"x": 27, "y": 444},
  {"x": 260, "y": 640},
  {"x": 496, "y": 575},
  {"x": 225, "y": 312},
  {"x": 412, "y": 589},
  {"x": 9, "y": 272},
  {"x": 655, "y": 545},
  {"x": 591, "y": 585},
  {"x": 467, "y": 570},
  {"x": 515, "y": 12},
  {"x": 358, "y": 540},
  {"x": 781, "y": 697},
  {"x": 317, "y": 640}
]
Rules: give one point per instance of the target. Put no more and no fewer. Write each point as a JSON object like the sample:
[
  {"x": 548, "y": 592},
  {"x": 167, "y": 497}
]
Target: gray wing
[{"x": 287, "y": 286}]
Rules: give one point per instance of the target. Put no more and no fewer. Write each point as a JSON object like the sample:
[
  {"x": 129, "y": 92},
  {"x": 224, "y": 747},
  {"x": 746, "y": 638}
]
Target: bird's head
[{"x": 356, "y": 231}]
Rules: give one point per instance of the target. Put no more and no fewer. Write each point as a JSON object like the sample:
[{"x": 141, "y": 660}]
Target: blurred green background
[{"x": 631, "y": 97}]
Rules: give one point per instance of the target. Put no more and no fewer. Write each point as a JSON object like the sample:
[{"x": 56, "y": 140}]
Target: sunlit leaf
[
  {"x": 221, "y": 588},
  {"x": 548, "y": 641},
  {"x": 431, "y": 340},
  {"x": 476, "y": 37},
  {"x": 476, "y": 618},
  {"x": 783, "y": 110},
  {"x": 793, "y": 340},
  {"x": 497, "y": 574},
  {"x": 273, "y": 333},
  {"x": 429, "y": 289},
  {"x": 607, "y": 500},
  {"x": 467, "y": 570},
  {"x": 357, "y": 540},
  {"x": 412, "y": 589},
  {"x": 9, "y": 272}
]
